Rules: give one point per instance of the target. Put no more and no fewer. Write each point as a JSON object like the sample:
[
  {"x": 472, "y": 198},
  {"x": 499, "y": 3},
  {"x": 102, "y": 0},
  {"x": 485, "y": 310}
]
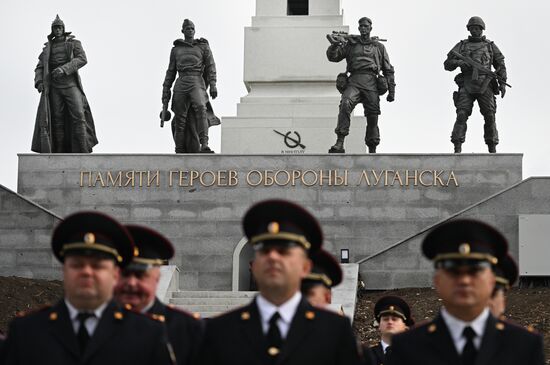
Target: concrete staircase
[{"x": 210, "y": 303}]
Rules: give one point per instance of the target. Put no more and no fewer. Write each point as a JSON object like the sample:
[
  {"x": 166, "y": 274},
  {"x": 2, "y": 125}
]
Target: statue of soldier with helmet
[
  {"x": 192, "y": 61},
  {"x": 476, "y": 56},
  {"x": 64, "y": 122}
]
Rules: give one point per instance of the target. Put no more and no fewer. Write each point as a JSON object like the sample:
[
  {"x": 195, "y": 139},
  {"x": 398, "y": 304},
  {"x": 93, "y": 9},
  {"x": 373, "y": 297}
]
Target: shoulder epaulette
[
  {"x": 173, "y": 308},
  {"x": 33, "y": 310}
]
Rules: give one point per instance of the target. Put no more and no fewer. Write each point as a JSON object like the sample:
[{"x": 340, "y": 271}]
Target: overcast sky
[{"x": 128, "y": 44}]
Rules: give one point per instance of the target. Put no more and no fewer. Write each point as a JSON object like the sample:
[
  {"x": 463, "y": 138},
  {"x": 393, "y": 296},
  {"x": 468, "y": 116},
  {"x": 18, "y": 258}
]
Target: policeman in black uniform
[
  {"x": 137, "y": 288},
  {"x": 506, "y": 273},
  {"x": 393, "y": 315},
  {"x": 279, "y": 325},
  {"x": 464, "y": 253},
  {"x": 325, "y": 274},
  {"x": 87, "y": 327}
]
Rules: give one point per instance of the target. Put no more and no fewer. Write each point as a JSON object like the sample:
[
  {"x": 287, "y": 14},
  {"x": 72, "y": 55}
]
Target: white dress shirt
[
  {"x": 384, "y": 345},
  {"x": 286, "y": 311},
  {"x": 456, "y": 326},
  {"x": 91, "y": 322}
]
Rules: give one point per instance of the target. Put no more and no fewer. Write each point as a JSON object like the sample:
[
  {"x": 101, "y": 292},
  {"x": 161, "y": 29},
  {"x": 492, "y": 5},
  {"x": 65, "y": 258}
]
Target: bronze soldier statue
[
  {"x": 191, "y": 59},
  {"x": 64, "y": 122},
  {"x": 475, "y": 56},
  {"x": 366, "y": 57}
]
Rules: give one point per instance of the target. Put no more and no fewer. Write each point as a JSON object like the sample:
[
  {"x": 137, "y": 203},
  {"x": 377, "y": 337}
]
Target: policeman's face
[
  {"x": 497, "y": 304},
  {"x": 475, "y": 31},
  {"x": 280, "y": 269},
  {"x": 89, "y": 280},
  {"x": 137, "y": 288},
  {"x": 365, "y": 28},
  {"x": 189, "y": 31},
  {"x": 319, "y": 296},
  {"x": 57, "y": 30},
  {"x": 391, "y": 325},
  {"x": 465, "y": 288}
]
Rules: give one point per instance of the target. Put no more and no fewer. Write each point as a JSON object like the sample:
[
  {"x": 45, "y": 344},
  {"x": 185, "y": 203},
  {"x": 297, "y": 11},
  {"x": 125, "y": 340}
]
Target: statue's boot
[
  {"x": 491, "y": 133},
  {"x": 204, "y": 146},
  {"x": 179, "y": 136},
  {"x": 339, "y": 145},
  {"x": 372, "y": 135},
  {"x": 458, "y": 135}
]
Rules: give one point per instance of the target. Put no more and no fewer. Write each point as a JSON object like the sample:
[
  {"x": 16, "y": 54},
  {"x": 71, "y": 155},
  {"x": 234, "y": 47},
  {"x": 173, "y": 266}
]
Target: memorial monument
[{"x": 292, "y": 101}]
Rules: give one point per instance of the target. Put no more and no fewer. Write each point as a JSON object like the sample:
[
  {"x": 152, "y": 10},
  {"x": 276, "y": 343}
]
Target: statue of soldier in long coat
[
  {"x": 64, "y": 122},
  {"x": 191, "y": 59}
]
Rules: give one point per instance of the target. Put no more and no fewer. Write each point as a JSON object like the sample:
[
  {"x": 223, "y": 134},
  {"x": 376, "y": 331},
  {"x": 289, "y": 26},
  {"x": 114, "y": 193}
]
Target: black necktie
[
  {"x": 274, "y": 339},
  {"x": 83, "y": 336},
  {"x": 469, "y": 352},
  {"x": 388, "y": 350}
]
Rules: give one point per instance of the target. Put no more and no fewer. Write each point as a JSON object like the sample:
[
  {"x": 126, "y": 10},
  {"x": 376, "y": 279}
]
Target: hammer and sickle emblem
[{"x": 291, "y": 142}]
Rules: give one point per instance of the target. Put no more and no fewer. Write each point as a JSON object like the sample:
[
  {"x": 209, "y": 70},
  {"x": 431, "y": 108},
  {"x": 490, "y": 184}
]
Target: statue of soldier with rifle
[
  {"x": 368, "y": 75},
  {"x": 64, "y": 122},
  {"x": 475, "y": 56},
  {"x": 191, "y": 59}
]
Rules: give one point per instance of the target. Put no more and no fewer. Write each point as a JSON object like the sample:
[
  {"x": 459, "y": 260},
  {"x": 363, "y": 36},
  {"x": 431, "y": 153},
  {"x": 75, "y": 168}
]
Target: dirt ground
[{"x": 525, "y": 306}]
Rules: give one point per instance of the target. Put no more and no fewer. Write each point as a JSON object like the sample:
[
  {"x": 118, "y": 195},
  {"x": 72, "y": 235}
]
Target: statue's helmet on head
[
  {"x": 58, "y": 22},
  {"x": 475, "y": 20},
  {"x": 186, "y": 23}
]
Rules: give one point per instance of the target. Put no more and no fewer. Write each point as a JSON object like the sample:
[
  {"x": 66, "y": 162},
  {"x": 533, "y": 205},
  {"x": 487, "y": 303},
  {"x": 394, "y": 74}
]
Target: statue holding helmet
[
  {"x": 192, "y": 61},
  {"x": 475, "y": 57}
]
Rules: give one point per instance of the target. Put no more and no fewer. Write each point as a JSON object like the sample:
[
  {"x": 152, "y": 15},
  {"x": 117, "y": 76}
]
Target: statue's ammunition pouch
[
  {"x": 455, "y": 98},
  {"x": 459, "y": 80}
]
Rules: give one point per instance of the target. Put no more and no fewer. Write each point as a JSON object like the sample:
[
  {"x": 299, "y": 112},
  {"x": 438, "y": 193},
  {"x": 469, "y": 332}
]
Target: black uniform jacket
[
  {"x": 121, "y": 337},
  {"x": 378, "y": 353},
  {"x": 503, "y": 343},
  {"x": 184, "y": 332},
  {"x": 315, "y": 337}
]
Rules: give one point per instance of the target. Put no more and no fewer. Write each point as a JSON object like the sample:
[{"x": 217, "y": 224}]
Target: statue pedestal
[{"x": 365, "y": 203}]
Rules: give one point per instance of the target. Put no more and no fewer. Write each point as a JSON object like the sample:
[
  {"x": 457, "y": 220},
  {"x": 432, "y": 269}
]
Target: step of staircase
[{"x": 210, "y": 303}]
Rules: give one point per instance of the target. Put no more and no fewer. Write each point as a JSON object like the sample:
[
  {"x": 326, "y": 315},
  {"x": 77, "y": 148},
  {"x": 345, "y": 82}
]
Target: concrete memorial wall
[{"x": 365, "y": 202}]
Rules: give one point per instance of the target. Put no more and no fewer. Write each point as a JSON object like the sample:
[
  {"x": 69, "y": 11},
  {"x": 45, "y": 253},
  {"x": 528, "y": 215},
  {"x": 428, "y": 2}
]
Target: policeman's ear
[{"x": 307, "y": 266}]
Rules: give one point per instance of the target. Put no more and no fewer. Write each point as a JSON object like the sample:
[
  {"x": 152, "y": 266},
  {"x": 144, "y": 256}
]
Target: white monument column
[{"x": 290, "y": 83}]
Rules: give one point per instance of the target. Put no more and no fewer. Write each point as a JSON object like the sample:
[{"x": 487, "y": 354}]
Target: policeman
[
  {"x": 475, "y": 85},
  {"x": 506, "y": 273},
  {"x": 138, "y": 285},
  {"x": 393, "y": 315},
  {"x": 325, "y": 274},
  {"x": 464, "y": 253},
  {"x": 87, "y": 327},
  {"x": 279, "y": 325}
]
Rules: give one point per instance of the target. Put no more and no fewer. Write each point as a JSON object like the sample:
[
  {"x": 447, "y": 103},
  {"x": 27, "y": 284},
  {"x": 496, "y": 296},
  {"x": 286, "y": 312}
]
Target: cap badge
[
  {"x": 392, "y": 308},
  {"x": 273, "y": 351},
  {"x": 273, "y": 227},
  {"x": 136, "y": 251},
  {"x": 464, "y": 248},
  {"x": 245, "y": 316},
  {"x": 89, "y": 238},
  {"x": 310, "y": 315}
]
